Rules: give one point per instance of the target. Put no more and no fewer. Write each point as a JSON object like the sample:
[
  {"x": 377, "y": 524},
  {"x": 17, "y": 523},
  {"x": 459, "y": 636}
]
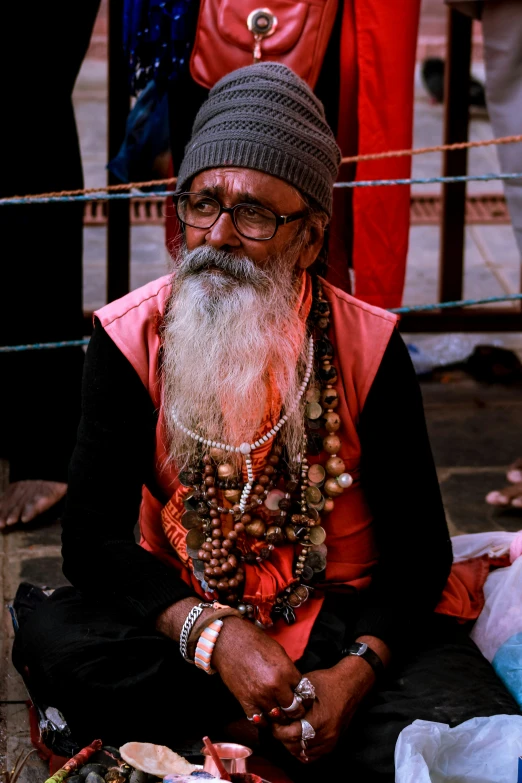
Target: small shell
[
  {"x": 99, "y": 769},
  {"x": 93, "y": 777},
  {"x": 155, "y": 759}
]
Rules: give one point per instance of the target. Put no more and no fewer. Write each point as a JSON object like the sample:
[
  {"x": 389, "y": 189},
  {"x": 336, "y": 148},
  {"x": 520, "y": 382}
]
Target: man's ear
[{"x": 313, "y": 245}]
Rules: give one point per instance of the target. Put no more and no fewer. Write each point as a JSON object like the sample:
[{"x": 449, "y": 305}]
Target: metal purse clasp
[{"x": 262, "y": 23}]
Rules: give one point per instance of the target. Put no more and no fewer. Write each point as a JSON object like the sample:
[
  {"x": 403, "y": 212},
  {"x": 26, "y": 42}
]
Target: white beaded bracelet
[{"x": 205, "y": 646}]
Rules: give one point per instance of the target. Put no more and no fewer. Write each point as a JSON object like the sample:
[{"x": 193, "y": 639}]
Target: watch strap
[{"x": 361, "y": 650}]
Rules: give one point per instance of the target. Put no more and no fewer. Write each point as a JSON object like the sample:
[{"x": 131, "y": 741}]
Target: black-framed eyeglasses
[{"x": 251, "y": 220}]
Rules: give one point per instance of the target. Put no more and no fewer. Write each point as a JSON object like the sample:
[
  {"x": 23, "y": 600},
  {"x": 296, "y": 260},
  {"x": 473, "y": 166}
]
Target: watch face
[{"x": 358, "y": 649}]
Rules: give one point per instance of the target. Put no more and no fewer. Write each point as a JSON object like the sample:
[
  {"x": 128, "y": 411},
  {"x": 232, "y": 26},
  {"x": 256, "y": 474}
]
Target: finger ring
[
  {"x": 304, "y": 756},
  {"x": 307, "y": 731},
  {"x": 275, "y": 713},
  {"x": 297, "y": 701},
  {"x": 256, "y": 718},
  {"x": 305, "y": 689}
]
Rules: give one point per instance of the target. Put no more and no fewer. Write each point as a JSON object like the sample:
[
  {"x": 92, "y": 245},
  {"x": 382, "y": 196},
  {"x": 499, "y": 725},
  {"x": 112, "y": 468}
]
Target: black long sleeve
[
  {"x": 113, "y": 457},
  {"x": 400, "y": 483}
]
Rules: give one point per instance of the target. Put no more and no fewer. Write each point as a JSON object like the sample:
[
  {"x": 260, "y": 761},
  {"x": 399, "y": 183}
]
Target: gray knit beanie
[{"x": 265, "y": 117}]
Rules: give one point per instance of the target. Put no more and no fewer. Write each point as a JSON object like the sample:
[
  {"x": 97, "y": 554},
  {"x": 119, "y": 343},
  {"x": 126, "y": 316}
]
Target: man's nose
[{"x": 223, "y": 233}]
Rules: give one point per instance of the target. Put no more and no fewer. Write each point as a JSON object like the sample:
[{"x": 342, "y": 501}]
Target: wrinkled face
[
  {"x": 231, "y": 186},
  {"x": 235, "y": 343}
]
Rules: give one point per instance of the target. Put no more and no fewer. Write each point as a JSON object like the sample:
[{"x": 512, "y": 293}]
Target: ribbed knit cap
[{"x": 265, "y": 117}]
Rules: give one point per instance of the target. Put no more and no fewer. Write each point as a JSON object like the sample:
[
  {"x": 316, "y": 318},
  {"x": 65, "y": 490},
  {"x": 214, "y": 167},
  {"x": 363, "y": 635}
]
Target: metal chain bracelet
[{"x": 187, "y": 628}]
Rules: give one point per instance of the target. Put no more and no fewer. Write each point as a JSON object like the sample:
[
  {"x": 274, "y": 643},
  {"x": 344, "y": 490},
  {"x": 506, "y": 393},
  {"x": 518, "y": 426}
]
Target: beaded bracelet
[{"x": 205, "y": 646}]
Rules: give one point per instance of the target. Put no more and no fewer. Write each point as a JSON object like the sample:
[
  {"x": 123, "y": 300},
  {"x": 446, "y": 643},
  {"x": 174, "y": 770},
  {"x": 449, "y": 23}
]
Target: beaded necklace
[
  {"x": 293, "y": 494},
  {"x": 247, "y": 448}
]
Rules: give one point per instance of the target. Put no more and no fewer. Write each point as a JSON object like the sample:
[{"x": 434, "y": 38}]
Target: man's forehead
[{"x": 247, "y": 185}]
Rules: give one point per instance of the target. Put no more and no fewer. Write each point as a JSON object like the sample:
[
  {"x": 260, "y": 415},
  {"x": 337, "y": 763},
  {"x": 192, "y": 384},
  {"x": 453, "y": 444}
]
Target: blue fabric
[
  {"x": 146, "y": 138},
  {"x": 508, "y": 666},
  {"x": 158, "y": 37}
]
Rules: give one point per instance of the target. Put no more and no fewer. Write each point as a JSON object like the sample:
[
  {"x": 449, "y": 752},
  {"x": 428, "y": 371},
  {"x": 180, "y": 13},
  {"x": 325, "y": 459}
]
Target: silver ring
[
  {"x": 307, "y": 731},
  {"x": 303, "y": 755},
  {"x": 297, "y": 701},
  {"x": 305, "y": 689}
]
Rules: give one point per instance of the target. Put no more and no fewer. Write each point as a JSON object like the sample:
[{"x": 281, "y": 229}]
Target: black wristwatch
[{"x": 363, "y": 651}]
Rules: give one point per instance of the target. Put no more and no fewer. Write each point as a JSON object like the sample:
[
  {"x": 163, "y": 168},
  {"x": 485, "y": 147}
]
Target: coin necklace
[{"x": 218, "y": 557}]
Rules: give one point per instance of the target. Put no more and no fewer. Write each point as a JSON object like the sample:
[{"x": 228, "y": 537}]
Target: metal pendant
[
  {"x": 313, "y": 495},
  {"x": 190, "y": 502},
  {"x": 195, "y": 538},
  {"x": 190, "y": 520},
  {"x": 316, "y": 474},
  {"x": 317, "y": 535},
  {"x": 313, "y": 411},
  {"x": 199, "y": 568},
  {"x": 273, "y": 498},
  {"x": 316, "y": 561}
]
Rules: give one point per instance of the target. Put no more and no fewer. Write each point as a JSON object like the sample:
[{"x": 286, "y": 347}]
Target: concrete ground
[{"x": 476, "y": 430}]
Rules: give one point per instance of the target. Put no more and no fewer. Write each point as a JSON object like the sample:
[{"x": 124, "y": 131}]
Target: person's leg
[
  {"x": 502, "y": 32},
  {"x": 41, "y": 279},
  {"x": 113, "y": 678},
  {"x": 510, "y": 495},
  {"x": 446, "y": 680}
]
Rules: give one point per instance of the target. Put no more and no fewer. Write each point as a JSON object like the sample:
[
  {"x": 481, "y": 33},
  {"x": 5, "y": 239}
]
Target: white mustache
[{"x": 241, "y": 268}]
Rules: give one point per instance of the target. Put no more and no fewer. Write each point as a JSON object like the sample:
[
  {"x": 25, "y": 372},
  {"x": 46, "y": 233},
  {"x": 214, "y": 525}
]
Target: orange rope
[
  {"x": 440, "y": 148},
  {"x": 102, "y": 189},
  {"x": 354, "y": 159}
]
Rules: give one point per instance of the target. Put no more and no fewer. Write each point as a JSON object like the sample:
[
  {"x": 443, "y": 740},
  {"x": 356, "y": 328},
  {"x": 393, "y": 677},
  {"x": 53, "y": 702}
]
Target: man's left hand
[{"x": 339, "y": 691}]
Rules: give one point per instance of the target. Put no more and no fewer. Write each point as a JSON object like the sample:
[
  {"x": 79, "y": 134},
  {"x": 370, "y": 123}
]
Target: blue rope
[
  {"x": 42, "y": 346},
  {"x": 457, "y": 303},
  {"x": 396, "y": 310},
  {"x": 101, "y": 195}
]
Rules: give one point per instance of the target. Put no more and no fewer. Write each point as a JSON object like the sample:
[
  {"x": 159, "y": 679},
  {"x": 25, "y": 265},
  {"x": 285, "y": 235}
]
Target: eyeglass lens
[{"x": 200, "y": 211}]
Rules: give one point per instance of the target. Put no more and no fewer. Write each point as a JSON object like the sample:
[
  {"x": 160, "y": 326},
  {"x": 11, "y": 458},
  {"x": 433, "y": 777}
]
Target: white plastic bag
[
  {"x": 481, "y": 750},
  {"x": 494, "y": 543},
  {"x": 498, "y": 629}
]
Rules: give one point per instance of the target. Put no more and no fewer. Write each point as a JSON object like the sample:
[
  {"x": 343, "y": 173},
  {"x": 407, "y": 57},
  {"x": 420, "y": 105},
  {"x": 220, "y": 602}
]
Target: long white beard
[{"x": 223, "y": 332}]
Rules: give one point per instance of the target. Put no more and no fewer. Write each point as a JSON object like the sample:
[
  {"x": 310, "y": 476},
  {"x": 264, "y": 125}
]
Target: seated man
[{"x": 267, "y": 429}]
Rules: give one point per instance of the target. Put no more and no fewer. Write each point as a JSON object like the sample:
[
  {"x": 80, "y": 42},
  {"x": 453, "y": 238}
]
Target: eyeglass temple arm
[{"x": 284, "y": 219}]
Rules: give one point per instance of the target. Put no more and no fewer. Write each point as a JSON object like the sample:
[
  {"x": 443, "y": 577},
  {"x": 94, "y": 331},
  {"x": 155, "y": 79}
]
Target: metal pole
[
  {"x": 118, "y": 212},
  {"x": 456, "y": 99}
]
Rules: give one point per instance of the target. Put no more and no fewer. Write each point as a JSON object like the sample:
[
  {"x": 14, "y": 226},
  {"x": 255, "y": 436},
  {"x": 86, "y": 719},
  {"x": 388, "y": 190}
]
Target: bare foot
[
  {"x": 514, "y": 473},
  {"x": 24, "y": 500},
  {"x": 509, "y": 496}
]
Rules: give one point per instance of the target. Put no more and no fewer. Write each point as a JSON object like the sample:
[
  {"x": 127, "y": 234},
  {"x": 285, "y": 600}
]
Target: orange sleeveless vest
[{"x": 360, "y": 334}]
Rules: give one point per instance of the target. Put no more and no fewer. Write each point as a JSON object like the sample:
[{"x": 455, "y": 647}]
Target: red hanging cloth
[{"x": 378, "y": 48}]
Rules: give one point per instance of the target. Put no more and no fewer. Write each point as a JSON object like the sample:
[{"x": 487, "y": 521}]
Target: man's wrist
[
  {"x": 377, "y": 646},
  {"x": 232, "y": 627},
  {"x": 354, "y": 668},
  {"x": 170, "y": 621}
]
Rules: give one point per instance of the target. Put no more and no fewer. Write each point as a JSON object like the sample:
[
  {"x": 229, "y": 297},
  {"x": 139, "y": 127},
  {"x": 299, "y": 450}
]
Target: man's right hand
[{"x": 255, "y": 668}]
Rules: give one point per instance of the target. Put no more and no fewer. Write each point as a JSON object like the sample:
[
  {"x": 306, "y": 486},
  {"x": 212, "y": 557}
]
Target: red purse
[{"x": 234, "y": 33}]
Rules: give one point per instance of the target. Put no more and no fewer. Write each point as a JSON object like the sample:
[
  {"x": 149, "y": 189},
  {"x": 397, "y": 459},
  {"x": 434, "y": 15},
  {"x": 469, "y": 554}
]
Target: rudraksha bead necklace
[{"x": 290, "y": 494}]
